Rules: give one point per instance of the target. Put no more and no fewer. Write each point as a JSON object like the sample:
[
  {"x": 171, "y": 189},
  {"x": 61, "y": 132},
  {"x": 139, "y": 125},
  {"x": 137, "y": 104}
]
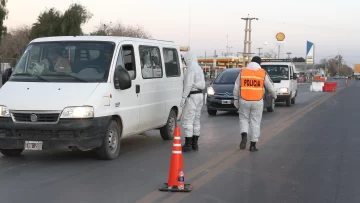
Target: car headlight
[
  {"x": 4, "y": 111},
  {"x": 78, "y": 112},
  {"x": 283, "y": 90},
  {"x": 210, "y": 91}
]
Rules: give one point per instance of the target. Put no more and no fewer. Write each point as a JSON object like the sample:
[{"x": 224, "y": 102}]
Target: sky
[{"x": 209, "y": 25}]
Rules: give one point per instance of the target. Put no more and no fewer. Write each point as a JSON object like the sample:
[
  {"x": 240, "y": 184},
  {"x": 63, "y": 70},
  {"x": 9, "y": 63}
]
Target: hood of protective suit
[
  {"x": 253, "y": 66},
  {"x": 191, "y": 59}
]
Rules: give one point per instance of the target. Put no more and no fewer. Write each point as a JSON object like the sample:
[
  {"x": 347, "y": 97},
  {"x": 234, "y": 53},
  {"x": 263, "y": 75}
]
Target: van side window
[
  {"x": 172, "y": 68},
  {"x": 126, "y": 59},
  {"x": 150, "y": 59}
]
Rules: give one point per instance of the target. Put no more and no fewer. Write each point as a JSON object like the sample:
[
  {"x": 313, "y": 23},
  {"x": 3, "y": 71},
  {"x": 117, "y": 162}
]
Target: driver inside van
[
  {"x": 55, "y": 63},
  {"x": 284, "y": 72}
]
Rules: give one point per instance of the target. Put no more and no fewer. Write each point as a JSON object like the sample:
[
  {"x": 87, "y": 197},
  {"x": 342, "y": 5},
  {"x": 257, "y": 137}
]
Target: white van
[
  {"x": 88, "y": 92},
  {"x": 284, "y": 75}
]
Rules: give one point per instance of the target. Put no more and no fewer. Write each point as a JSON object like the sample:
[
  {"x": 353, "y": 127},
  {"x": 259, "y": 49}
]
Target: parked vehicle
[{"x": 88, "y": 93}]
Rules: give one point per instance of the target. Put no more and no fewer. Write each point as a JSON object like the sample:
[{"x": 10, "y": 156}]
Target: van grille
[{"x": 40, "y": 117}]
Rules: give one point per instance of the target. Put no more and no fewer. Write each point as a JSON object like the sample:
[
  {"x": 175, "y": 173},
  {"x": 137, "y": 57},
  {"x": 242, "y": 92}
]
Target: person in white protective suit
[
  {"x": 192, "y": 99},
  {"x": 248, "y": 98}
]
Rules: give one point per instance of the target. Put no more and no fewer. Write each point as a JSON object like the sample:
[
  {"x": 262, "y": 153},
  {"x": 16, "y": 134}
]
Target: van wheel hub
[
  {"x": 171, "y": 125},
  {"x": 113, "y": 140}
]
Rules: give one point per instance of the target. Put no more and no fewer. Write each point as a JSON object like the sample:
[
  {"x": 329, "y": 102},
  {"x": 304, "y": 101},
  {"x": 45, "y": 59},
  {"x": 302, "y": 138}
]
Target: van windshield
[
  {"x": 277, "y": 72},
  {"x": 65, "y": 61}
]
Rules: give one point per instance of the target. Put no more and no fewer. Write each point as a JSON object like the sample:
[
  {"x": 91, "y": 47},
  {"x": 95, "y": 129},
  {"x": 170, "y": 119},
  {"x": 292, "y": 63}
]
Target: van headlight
[
  {"x": 284, "y": 90},
  {"x": 210, "y": 91},
  {"x": 4, "y": 111},
  {"x": 78, "y": 112}
]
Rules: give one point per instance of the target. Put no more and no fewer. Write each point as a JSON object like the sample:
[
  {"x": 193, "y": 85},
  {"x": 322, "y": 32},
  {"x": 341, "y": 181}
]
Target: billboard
[
  {"x": 309, "y": 52},
  {"x": 357, "y": 69}
]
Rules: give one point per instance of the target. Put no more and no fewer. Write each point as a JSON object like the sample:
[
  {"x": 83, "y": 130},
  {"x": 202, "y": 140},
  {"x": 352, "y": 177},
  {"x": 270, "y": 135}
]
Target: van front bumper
[
  {"x": 282, "y": 97},
  {"x": 83, "y": 134}
]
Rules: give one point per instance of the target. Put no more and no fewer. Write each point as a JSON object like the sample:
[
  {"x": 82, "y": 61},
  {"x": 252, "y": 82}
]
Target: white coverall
[
  {"x": 193, "y": 81},
  {"x": 250, "y": 112}
]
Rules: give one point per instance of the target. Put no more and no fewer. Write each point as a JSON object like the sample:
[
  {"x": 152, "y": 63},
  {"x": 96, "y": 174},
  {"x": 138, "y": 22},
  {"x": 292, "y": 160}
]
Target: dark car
[{"x": 220, "y": 93}]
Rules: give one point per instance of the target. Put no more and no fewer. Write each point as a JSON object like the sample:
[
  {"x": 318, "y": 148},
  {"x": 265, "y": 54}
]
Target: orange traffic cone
[{"x": 176, "y": 180}]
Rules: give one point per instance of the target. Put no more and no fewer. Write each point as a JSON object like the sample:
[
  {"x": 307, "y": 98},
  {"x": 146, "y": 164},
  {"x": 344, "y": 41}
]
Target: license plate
[
  {"x": 33, "y": 145},
  {"x": 226, "y": 101}
]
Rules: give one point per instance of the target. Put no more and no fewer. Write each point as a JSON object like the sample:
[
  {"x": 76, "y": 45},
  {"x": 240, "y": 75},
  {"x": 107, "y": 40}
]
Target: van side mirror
[
  {"x": 295, "y": 76},
  {"x": 6, "y": 75},
  {"x": 122, "y": 79}
]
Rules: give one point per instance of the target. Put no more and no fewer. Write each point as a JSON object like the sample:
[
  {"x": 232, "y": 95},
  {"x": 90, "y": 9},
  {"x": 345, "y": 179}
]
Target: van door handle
[{"x": 137, "y": 89}]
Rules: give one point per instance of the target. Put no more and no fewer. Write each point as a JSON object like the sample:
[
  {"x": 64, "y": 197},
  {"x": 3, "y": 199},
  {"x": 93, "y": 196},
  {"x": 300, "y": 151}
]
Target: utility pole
[
  {"x": 339, "y": 64},
  {"x": 247, "y": 40},
  {"x": 289, "y": 55},
  {"x": 259, "y": 51},
  {"x": 214, "y": 65},
  {"x": 227, "y": 45},
  {"x": 205, "y": 60},
  {"x": 227, "y": 50}
]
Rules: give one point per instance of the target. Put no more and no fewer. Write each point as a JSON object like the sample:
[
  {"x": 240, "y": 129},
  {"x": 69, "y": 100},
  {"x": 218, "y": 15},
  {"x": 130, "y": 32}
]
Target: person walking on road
[
  {"x": 192, "y": 99},
  {"x": 248, "y": 98}
]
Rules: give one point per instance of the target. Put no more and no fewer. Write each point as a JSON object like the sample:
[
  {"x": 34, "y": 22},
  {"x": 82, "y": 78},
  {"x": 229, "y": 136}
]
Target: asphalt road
[{"x": 308, "y": 153}]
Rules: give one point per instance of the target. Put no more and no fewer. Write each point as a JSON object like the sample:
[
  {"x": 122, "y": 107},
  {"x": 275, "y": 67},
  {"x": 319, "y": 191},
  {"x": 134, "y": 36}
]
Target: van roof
[
  {"x": 115, "y": 39},
  {"x": 267, "y": 61},
  {"x": 278, "y": 63}
]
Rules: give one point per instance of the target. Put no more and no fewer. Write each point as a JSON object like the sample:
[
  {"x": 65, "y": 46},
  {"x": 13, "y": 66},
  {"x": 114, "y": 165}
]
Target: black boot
[
  {"x": 253, "y": 147},
  {"x": 187, "y": 146},
  {"x": 243, "y": 141},
  {"x": 195, "y": 142}
]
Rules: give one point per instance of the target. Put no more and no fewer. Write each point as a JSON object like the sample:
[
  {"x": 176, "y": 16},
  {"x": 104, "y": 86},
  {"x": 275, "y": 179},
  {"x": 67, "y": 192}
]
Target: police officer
[{"x": 248, "y": 95}]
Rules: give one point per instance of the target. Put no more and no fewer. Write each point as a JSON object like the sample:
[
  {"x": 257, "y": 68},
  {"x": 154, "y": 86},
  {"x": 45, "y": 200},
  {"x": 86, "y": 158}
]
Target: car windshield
[
  {"x": 277, "y": 71},
  {"x": 65, "y": 61},
  {"x": 227, "y": 77}
]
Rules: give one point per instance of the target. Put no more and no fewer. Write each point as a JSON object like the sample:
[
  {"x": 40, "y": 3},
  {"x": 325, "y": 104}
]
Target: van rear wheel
[
  {"x": 167, "y": 132},
  {"x": 110, "y": 147}
]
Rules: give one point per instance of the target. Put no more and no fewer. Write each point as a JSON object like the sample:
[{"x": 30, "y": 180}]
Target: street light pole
[{"x": 289, "y": 55}]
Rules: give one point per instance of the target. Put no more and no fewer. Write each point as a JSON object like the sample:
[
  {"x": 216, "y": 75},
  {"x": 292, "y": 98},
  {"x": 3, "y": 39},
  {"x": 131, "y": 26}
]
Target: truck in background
[{"x": 357, "y": 71}]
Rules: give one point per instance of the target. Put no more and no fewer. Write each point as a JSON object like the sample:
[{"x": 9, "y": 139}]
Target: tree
[
  {"x": 270, "y": 54},
  {"x": 73, "y": 18},
  {"x": 3, "y": 16},
  {"x": 53, "y": 23},
  {"x": 14, "y": 43},
  {"x": 119, "y": 29},
  {"x": 336, "y": 66},
  {"x": 298, "y": 59}
]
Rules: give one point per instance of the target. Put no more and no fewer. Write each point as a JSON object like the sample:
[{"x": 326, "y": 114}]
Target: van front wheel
[
  {"x": 288, "y": 101},
  {"x": 11, "y": 152},
  {"x": 110, "y": 147},
  {"x": 167, "y": 132}
]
